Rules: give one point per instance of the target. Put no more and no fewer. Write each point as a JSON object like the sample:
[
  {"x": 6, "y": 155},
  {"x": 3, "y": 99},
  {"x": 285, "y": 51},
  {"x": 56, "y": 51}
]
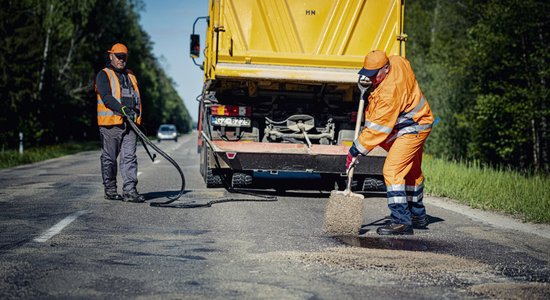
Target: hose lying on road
[
  {"x": 227, "y": 186},
  {"x": 145, "y": 140}
]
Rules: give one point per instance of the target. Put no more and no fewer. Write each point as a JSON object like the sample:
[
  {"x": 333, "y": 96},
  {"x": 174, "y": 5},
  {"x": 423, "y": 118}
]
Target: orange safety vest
[
  {"x": 396, "y": 107},
  {"x": 105, "y": 116}
]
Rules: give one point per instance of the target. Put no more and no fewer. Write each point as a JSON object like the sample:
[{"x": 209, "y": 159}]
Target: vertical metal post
[{"x": 20, "y": 142}]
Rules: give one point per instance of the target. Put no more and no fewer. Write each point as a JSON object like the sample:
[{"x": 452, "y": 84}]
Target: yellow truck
[{"x": 280, "y": 86}]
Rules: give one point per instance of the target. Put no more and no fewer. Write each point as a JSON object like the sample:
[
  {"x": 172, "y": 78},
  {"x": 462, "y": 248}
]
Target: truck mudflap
[{"x": 258, "y": 156}]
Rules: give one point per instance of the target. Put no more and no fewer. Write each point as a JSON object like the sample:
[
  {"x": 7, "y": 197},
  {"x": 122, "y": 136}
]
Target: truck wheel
[
  {"x": 374, "y": 184},
  {"x": 212, "y": 180},
  {"x": 241, "y": 180}
]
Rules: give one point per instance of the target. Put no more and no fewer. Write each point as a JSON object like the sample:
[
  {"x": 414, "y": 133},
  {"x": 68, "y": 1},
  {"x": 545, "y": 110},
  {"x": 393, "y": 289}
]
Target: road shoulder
[{"x": 491, "y": 218}]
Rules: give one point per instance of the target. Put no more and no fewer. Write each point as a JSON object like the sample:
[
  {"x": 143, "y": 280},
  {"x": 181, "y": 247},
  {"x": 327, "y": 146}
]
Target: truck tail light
[{"x": 231, "y": 110}]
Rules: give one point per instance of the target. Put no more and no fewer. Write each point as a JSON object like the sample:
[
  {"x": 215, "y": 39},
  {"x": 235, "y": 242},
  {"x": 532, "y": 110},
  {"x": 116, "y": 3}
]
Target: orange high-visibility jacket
[
  {"x": 105, "y": 116},
  {"x": 396, "y": 107}
]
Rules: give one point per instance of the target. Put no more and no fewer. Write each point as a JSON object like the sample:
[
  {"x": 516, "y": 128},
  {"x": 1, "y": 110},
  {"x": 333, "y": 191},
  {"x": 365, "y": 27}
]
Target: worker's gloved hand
[
  {"x": 351, "y": 159},
  {"x": 365, "y": 85},
  {"x": 129, "y": 113}
]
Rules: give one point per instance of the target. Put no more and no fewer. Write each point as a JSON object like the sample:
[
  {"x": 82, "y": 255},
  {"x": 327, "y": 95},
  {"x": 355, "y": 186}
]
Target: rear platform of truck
[{"x": 280, "y": 91}]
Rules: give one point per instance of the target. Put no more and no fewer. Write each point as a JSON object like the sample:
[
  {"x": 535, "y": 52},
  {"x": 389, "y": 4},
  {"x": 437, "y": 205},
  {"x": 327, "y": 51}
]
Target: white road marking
[
  {"x": 58, "y": 227},
  {"x": 139, "y": 173},
  {"x": 156, "y": 161}
]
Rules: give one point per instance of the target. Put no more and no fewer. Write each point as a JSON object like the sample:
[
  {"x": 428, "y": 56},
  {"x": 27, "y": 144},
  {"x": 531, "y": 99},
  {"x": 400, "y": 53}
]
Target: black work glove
[{"x": 129, "y": 113}]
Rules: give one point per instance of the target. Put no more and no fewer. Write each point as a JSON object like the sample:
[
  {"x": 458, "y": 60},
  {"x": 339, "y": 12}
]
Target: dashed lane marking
[
  {"x": 58, "y": 227},
  {"x": 139, "y": 173}
]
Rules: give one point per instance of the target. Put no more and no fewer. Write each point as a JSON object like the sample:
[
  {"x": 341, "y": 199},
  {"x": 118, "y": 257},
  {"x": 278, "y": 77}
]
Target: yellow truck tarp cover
[{"x": 306, "y": 40}]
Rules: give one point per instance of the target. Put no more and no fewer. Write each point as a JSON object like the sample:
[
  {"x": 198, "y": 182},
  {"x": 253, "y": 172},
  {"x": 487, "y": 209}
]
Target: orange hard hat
[
  {"x": 374, "y": 60},
  {"x": 118, "y": 48}
]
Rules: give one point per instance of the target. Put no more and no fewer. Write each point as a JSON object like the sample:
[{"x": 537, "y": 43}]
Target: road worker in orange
[
  {"x": 398, "y": 119},
  {"x": 118, "y": 102}
]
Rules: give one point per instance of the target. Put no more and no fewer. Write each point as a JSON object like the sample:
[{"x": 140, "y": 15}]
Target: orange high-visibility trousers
[{"x": 403, "y": 176}]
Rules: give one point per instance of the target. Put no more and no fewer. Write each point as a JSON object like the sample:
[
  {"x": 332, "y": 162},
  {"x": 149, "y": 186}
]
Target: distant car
[{"x": 167, "y": 132}]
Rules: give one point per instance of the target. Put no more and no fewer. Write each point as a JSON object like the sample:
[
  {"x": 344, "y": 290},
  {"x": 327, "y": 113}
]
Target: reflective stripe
[
  {"x": 360, "y": 147},
  {"x": 377, "y": 127},
  {"x": 105, "y": 113},
  {"x": 415, "y": 193},
  {"x": 114, "y": 83},
  {"x": 410, "y": 129},
  {"x": 396, "y": 187},
  {"x": 406, "y": 116},
  {"x": 414, "y": 188},
  {"x": 396, "y": 193},
  {"x": 405, "y": 123}
]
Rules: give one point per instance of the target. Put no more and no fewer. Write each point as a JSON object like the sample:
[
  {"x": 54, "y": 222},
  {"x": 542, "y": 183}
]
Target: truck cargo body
[{"x": 280, "y": 88}]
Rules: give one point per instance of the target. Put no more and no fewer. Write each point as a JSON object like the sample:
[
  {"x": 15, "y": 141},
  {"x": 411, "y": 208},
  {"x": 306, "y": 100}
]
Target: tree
[{"x": 49, "y": 58}]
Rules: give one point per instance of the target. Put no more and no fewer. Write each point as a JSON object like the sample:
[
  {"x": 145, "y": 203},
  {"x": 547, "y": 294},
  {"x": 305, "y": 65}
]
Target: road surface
[{"x": 60, "y": 239}]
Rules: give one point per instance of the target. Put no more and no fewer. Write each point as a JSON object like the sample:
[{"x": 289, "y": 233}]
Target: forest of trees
[
  {"x": 483, "y": 65},
  {"x": 485, "y": 70},
  {"x": 50, "y": 53}
]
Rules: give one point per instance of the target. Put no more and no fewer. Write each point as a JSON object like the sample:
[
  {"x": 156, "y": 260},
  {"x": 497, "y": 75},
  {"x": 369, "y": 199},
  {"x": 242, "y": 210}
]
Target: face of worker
[
  {"x": 118, "y": 60},
  {"x": 377, "y": 78}
]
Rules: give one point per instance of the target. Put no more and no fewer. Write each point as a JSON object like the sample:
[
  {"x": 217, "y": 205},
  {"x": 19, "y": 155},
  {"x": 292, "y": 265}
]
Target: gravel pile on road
[
  {"x": 415, "y": 267},
  {"x": 513, "y": 290}
]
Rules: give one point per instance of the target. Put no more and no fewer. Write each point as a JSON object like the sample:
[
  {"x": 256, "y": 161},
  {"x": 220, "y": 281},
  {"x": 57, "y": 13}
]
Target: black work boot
[
  {"x": 395, "y": 229},
  {"x": 133, "y": 196},
  {"x": 420, "y": 222},
  {"x": 112, "y": 196}
]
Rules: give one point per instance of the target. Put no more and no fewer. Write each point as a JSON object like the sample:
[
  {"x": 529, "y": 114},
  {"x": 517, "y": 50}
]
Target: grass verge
[
  {"x": 12, "y": 158},
  {"x": 526, "y": 197}
]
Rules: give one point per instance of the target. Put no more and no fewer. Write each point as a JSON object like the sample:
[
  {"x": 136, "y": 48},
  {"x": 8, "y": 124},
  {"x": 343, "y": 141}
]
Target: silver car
[{"x": 167, "y": 132}]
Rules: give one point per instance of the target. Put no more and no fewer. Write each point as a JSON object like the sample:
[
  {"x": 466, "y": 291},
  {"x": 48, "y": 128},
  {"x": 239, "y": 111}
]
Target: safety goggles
[{"x": 121, "y": 56}]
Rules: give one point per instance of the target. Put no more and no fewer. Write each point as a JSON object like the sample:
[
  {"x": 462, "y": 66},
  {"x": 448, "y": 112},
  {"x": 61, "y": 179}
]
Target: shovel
[{"x": 344, "y": 211}]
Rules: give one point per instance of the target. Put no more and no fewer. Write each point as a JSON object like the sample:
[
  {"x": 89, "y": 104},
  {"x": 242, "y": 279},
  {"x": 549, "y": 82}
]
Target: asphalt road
[{"x": 60, "y": 239}]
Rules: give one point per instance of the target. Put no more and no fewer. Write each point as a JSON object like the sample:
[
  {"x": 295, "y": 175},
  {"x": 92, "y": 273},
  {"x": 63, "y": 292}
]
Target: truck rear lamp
[{"x": 231, "y": 110}]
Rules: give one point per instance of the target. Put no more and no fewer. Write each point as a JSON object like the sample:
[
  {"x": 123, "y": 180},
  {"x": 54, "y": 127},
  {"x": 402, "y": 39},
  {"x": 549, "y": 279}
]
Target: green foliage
[
  {"x": 12, "y": 158},
  {"x": 483, "y": 65},
  {"x": 479, "y": 186},
  {"x": 50, "y": 55}
]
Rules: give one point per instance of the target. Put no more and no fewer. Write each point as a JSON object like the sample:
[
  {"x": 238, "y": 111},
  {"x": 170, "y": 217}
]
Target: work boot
[
  {"x": 112, "y": 196},
  {"x": 395, "y": 229},
  {"x": 420, "y": 222},
  {"x": 134, "y": 197}
]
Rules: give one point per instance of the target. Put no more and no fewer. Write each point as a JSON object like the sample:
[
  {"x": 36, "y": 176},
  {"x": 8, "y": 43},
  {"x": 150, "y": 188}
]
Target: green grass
[
  {"x": 526, "y": 197},
  {"x": 12, "y": 158}
]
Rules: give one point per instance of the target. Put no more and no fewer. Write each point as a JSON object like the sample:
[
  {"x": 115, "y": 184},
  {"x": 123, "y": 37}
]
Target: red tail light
[{"x": 231, "y": 110}]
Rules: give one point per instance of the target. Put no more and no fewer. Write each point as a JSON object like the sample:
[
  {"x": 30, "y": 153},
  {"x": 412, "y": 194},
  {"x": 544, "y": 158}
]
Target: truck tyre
[
  {"x": 374, "y": 184},
  {"x": 212, "y": 180},
  {"x": 241, "y": 180}
]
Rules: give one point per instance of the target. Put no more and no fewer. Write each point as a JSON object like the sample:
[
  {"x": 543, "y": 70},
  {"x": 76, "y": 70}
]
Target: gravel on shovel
[{"x": 343, "y": 214}]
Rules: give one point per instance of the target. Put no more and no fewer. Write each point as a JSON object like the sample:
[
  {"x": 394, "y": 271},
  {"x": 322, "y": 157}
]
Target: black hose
[
  {"x": 144, "y": 139},
  {"x": 225, "y": 182}
]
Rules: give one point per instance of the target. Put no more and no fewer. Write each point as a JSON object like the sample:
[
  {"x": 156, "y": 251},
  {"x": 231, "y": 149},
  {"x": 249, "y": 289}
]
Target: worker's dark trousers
[{"x": 114, "y": 140}]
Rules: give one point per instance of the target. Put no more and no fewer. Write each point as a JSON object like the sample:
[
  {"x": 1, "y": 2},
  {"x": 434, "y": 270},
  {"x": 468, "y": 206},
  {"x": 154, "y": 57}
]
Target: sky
[{"x": 169, "y": 23}]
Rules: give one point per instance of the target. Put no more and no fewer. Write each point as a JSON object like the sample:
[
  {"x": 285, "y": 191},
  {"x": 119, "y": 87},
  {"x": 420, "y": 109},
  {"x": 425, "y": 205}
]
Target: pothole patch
[{"x": 513, "y": 290}]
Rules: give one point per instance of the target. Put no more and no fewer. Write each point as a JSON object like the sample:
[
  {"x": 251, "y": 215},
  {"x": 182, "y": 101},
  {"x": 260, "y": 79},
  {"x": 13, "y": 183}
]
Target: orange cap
[
  {"x": 118, "y": 48},
  {"x": 374, "y": 60}
]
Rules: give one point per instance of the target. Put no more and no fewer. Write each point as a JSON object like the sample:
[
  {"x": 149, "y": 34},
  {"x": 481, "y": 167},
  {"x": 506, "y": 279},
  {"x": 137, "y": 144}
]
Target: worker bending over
[{"x": 398, "y": 119}]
